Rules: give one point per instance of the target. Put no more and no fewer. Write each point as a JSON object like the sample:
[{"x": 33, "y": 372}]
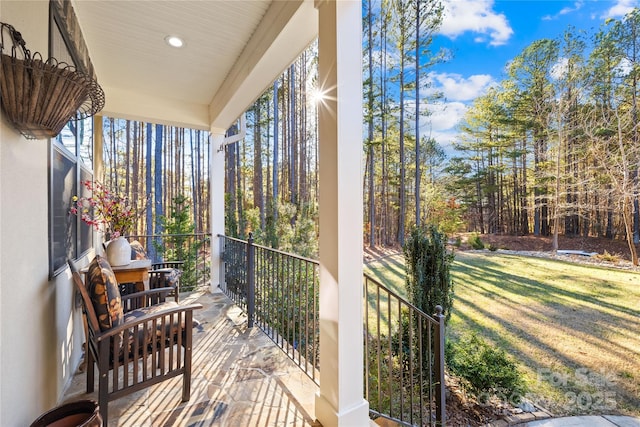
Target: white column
[
  {"x": 216, "y": 181},
  {"x": 340, "y": 400}
]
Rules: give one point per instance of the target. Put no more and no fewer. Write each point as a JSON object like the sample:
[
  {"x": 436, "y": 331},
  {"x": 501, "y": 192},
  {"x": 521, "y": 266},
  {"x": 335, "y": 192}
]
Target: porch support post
[
  {"x": 216, "y": 182},
  {"x": 340, "y": 401}
]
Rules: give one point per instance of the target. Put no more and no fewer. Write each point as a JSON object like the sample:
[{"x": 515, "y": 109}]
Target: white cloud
[
  {"x": 446, "y": 116},
  {"x": 560, "y": 68},
  {"x": 624, "y": 67},
  {"x": 458, "y": 91},
  {"x": 446, "y": 140},
  {"x": 621, "y": 8},
  {"x": 476, "y": 16},
  {"x": 456, "y": 87},
  {"x": 564, "y": 11}
]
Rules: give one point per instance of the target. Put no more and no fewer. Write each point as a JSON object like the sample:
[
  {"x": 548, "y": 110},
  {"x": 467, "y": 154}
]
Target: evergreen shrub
[
  {"x": 484, "y": 369},
  {"x": 180, "y": 245},
  {"x": 475, "y": 242},
  {"x": 428, "y": 264}
]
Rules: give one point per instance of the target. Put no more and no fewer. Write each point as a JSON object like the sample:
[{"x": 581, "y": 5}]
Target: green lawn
[{"x": 574, "y": 329}]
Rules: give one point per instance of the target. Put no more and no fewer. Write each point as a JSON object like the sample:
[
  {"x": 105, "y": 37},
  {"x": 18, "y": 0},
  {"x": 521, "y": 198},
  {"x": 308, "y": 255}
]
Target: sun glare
[{"x": 317, "y": 96}]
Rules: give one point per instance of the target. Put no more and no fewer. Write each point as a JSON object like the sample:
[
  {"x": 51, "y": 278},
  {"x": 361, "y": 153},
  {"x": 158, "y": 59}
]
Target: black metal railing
[
  {"x": 279, "y": 292},
  {"x": 192, "y": 250},
  {"x": 404, "y": 359},
  {"x": 404, "y": 347},
  {"x": 234, "y": 268}
]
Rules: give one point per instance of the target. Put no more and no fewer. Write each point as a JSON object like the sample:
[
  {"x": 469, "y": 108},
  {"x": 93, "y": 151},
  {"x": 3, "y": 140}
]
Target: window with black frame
[{"x": 71, "y": 163}]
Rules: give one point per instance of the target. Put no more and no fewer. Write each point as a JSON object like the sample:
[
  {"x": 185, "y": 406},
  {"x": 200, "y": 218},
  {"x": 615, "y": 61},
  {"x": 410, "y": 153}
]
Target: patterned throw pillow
[
  {"x": 137, "y": 250},
  {"x": 104, "y": 293},
  {"x": 171, "y": 276}
]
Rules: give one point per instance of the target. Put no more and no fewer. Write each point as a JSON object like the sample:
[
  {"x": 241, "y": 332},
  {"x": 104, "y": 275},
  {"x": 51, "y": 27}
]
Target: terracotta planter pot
[{"x": 83, "y": 413}]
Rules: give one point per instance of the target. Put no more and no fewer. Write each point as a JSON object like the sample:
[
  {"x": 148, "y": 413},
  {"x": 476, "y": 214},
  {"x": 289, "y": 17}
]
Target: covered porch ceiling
[{"x": 233, "y": 50}]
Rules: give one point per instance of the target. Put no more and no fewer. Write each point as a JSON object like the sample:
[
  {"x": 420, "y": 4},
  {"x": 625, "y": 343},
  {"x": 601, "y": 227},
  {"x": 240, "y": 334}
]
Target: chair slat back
[{"x": 90, "y": 312}]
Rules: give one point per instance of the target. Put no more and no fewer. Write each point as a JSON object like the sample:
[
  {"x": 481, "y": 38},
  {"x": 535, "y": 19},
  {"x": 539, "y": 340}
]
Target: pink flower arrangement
[{"x": 104, "y": 207}]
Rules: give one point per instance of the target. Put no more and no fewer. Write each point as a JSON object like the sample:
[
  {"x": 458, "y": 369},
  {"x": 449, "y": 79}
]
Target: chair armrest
[
  {"x": 145, "y": 298},
  {"x": 145, "y": 319},
  {"x": 166, "y": 277},
  {"x": 148, "y": 293}
]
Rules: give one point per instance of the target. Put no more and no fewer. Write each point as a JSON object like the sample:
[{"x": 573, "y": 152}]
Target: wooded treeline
[
  {"x": 553, "y": 149},
  {"x": 403, "y": 162},
  {"x": 272, "y": 174},
  {"x": 152, "y": 165}
]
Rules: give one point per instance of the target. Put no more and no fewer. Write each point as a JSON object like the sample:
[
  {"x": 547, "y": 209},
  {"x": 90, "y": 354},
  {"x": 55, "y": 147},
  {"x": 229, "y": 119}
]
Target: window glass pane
[
  {"x": 67, "y": 137},
  {"x": 85, "y": 138},
  {"x": 86, "y": 231},
  {"x": 63, "y": 224},
  {"x": 70, "y": 150},
  {"x": 59, "y": 49}
]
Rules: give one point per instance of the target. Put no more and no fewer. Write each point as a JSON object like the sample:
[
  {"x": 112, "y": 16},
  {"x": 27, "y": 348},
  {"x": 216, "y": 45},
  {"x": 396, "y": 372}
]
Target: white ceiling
[{"x": 234, "y": 49}]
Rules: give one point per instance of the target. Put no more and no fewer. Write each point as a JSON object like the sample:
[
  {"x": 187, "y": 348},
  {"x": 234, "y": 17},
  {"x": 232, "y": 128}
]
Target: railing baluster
[
  {"x": 223, "y": 264},
  {"x": 401, "y": 355},
  {"x": 379, "y": 339},
  {"x": 280, "y": 297},
  {"x": 289, "y": 310},
  {"x": 420, "y": 369},
  {"x": 309, "y": 335},
  {"x": 298, "y": 323},
  {"x": 411, "y": 362},
  {"x": 251, "y": 284},
  {"x": 367, "y": 371},
  {"x": 439, "y": 368},
  {"x": 316, "y": 321},
  {"x": 431, "y": 374}
]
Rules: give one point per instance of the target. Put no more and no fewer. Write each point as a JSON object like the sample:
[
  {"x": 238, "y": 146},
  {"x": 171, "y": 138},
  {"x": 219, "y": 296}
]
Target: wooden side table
[{"x": 137, "y": 271}]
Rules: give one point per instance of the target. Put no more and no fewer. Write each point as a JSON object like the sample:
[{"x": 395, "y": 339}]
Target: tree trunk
[
  {"x": 417, "y": 189},
  {"x": 370, "y": 155},
  {"x": 275, "y": 150},
  {"x": 158, "y": 191},
  {"x": 258, "y": 199},
  {"x": 149, "y": 187}
]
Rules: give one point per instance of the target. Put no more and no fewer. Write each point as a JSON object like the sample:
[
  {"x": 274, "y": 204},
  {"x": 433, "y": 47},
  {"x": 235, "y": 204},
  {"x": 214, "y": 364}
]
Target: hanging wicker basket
[{"x": 39, "y": 97}]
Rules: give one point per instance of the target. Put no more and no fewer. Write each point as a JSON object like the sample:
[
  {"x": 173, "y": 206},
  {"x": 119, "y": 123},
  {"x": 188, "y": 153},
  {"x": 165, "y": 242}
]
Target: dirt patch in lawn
[
  {"x": 530, "y": 243},
  {"x": 545, "y": 244}
]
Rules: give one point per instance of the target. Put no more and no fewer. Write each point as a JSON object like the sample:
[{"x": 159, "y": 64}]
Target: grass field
[{"x": 574, "y": 329}]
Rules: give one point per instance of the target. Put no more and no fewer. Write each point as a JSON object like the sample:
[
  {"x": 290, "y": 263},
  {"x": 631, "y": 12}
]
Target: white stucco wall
[{"x": 38, "y": 351}]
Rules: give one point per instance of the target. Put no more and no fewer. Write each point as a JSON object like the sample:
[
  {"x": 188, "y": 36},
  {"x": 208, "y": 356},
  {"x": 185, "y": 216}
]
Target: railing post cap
[{"x": 439, "y": 310}]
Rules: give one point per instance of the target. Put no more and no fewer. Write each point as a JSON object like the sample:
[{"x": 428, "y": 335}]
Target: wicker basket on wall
[{"x": 39, "y": 97}]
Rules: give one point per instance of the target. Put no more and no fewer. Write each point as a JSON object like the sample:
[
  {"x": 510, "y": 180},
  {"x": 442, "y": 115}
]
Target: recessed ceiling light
[{"x": 174, "y": 41}]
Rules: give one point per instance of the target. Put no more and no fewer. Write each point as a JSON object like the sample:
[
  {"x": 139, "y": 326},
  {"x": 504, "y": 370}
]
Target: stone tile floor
[{"x": 239, "y": 378}]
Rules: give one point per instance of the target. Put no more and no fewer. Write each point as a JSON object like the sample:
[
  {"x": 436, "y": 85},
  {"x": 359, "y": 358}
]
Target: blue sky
[{"x": 485, "y": 34}]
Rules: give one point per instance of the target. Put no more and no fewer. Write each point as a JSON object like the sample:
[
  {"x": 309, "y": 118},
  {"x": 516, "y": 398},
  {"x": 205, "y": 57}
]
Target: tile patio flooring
[{"x": 239, "y": 378}]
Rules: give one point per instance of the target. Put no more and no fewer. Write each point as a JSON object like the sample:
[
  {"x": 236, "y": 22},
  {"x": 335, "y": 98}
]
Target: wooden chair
[
  {"x": 151, "y": 343},
  {"x": 164, "y": 274}
]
